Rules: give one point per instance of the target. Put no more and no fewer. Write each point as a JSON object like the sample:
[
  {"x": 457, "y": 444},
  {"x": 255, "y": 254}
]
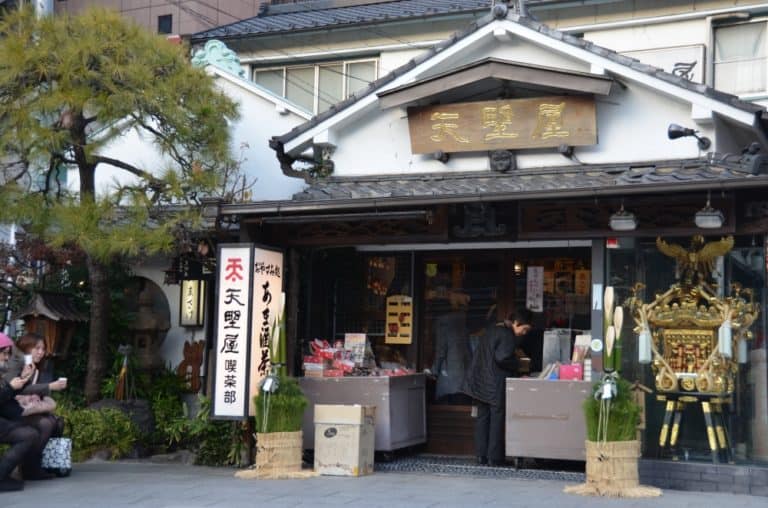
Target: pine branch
[{"x": 99, "y": 159}]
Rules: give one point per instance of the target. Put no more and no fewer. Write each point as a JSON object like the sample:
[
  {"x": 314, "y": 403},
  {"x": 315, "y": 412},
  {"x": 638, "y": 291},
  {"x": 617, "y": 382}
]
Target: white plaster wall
[
  {"x": 132, "y": 148},
  {"x": 391, "y": 60},
  {"x": 666, "y": 35},
  {"x": 172, "y": 348},
  {"x": 518, "y": 50},
  {"x": 632, "y": 126},
  {"x": 260, "y": 119}
]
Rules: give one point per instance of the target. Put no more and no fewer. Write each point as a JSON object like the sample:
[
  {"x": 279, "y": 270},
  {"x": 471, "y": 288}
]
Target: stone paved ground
[{"x": 146, "y": 484}]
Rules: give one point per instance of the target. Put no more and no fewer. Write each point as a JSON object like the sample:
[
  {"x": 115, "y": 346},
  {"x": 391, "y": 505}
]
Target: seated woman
[
  {"x": 13, "y": 431},
  {"x": 41, "y": 383}
]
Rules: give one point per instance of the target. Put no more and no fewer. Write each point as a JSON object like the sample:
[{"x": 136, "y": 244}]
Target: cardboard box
[{"x": 344, "y": 439}]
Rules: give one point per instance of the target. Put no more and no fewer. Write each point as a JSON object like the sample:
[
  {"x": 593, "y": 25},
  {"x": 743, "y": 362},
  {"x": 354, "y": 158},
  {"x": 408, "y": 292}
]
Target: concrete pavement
[{"x": 98, "y": 484}]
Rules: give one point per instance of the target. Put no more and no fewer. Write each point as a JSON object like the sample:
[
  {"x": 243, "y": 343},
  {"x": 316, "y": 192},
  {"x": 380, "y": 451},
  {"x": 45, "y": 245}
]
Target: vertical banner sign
[
  {"x": 233, "y": 296},
  {"x": 534, "y": 289},
  {"x": 399, "y": 329},
  {"x": 192, "y": 303},
  {"x": 267, "y": 289}
]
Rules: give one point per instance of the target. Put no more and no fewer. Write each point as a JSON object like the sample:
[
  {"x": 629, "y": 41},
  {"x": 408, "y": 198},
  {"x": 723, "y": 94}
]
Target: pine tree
[{"x": 69, "y": 87}]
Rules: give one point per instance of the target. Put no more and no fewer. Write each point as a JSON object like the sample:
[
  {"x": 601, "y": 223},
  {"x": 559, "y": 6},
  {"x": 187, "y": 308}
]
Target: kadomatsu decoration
[{"x": 612, "y": 416}]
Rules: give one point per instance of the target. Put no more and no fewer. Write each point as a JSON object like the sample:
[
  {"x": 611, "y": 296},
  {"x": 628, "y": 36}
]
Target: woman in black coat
[{"x": 22, "y": 438}]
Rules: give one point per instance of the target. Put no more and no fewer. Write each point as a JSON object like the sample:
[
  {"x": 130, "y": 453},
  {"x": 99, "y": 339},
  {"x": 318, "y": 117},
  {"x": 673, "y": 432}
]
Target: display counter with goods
[
  {"x": 399, "y": 401},
  {"x": 551, "y": 404},
  {"x": 537, "y": 410}
]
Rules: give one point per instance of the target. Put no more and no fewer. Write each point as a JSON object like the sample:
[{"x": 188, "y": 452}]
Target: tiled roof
[
  {"x": 336, "y": 17},
  {"x": 55, "y": 306},
  {"x": 604, "y": 179},
  {"x": 578, "y": 42}
]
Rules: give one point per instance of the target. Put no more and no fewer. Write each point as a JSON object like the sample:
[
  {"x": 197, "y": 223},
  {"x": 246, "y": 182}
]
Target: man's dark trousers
[{"x": 489, "y": 432}]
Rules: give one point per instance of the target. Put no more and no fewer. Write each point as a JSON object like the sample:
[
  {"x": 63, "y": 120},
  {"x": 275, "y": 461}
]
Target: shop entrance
[{"x": 463, "y": 292}]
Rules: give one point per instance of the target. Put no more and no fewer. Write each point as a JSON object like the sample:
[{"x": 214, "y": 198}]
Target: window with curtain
[
  {"x": 317, "y": 87},
  {"x": 740, "y": 58}
]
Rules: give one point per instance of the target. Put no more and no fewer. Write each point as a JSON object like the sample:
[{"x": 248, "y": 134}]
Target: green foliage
[
  {"x": 283, "y": 410},
  {"x": 70, "y": 86},
  {"x": 215, "y": 443},
  {"x": 624, "y": 415},
  {"x": 94, "y": 430},
  {"x": 167, "y": 406}
]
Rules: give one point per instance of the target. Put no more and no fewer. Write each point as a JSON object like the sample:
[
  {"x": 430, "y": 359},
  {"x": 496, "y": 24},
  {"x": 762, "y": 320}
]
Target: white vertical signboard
[
  {"x": 267, "y": 289},
  {"x": 233, "y": 318},
  {"x": 534, "y": 294}
]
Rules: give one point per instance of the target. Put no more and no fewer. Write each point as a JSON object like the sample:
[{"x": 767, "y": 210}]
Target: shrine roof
[{"x": 54, "y": 306}]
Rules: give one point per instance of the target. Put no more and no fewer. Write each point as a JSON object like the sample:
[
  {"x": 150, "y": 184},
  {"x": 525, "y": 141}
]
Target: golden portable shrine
[{"x": 689, "y": 335}]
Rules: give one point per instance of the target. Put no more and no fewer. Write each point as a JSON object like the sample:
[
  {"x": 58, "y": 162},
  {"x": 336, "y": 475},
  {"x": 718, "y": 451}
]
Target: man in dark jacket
[
  {"x": 22, "y": 438},
  {"x": 494, "y": 361}
]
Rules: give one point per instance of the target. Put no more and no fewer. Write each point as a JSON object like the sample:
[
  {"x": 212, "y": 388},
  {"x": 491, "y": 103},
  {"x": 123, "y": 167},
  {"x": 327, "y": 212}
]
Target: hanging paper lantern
[
  {"x": 724, "y": 342},
  {"x": 644, "y": 346},
  {"x": 742, "y": 351}
]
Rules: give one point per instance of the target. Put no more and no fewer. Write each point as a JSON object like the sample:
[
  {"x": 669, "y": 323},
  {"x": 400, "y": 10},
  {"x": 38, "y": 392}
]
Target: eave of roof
[
  {"x": 349, "y": 193},
  {"x": 337, "y": 17},
  {"x": 501, "y": 70},
  {"x": 54, "y": 306}
]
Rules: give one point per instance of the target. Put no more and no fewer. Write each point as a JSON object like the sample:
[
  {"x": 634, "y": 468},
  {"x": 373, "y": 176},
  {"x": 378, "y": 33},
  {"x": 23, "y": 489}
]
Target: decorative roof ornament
[
  {"x": 696, "y": 263},
  {"x": 217, "y": 53}
]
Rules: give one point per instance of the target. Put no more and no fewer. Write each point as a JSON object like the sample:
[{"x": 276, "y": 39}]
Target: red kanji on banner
[{"x": 234, "y": 269}]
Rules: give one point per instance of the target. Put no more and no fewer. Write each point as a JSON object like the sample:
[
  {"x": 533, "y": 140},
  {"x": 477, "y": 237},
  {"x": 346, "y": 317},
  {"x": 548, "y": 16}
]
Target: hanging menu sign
[
  {"x": 231, "y": 333},
  {"x": 534, "y": 289},
  {"x": 399, "y": 323}
]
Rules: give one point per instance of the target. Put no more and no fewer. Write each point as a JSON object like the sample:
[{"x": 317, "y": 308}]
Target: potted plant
[{"x": 612, "y": 416}]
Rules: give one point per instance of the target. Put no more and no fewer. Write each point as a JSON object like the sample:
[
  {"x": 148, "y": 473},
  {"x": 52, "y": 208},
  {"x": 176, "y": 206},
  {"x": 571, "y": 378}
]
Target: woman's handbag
[
  {"x": 57, "y": 456},
  {"x": 35, "y": 404}
]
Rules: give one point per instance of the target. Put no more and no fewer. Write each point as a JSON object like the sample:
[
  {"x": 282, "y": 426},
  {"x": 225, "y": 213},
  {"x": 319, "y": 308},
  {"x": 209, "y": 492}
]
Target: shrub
[
  {"x": 215, "y": 443},
  {"x": 94, "y": 430}
]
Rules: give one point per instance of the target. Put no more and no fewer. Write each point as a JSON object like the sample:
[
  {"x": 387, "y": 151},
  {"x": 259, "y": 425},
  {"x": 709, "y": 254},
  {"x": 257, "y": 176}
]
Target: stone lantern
[{"x": 148, "y": 332}]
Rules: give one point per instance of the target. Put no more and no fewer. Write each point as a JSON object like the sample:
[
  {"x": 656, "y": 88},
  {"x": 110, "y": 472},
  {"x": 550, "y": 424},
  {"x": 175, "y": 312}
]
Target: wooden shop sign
[{"x": 503, "y": 124}]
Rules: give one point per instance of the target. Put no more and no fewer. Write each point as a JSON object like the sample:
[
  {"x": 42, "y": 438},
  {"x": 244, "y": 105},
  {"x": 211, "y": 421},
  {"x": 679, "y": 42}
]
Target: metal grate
[{"x": 463, "y": 466}]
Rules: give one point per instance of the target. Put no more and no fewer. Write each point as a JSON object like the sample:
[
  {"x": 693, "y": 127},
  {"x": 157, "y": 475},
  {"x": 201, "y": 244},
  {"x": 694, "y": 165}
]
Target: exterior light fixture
[
  {"x": 517, "y": 268},
  {"x": 675, "y": 131},
  {"x": 708, "y": 217},
  {"x": 623, "y": 220}
]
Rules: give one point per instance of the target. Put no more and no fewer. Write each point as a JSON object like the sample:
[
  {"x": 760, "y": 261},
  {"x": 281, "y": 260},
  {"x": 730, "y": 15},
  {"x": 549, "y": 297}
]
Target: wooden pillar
[{"x": 292, "y": 310}]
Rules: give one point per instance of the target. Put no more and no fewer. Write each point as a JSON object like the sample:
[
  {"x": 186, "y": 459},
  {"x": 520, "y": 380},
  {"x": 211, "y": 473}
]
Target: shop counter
[
  {"x": 399, "y": 400},
  {"x": 545, "y": 419}
]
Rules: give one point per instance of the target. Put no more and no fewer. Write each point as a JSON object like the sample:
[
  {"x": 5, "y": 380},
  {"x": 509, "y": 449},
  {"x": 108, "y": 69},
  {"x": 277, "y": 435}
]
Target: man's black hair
[{"x": 522, "y": 315}]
